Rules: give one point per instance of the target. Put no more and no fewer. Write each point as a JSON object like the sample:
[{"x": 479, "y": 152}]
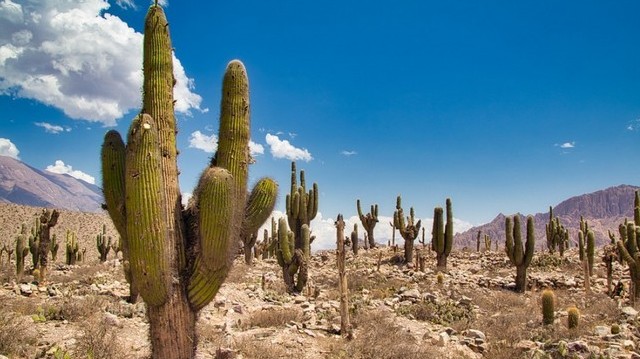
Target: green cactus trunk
[
  {"x": 520, "y": 255},
  {"x": 369, "y": 222},
  {"x": 409, "y": 229},
  {"x": 442, "y": 240},
  {"x": 48, "y": 219},
  {"x": 177, "y": 260}
]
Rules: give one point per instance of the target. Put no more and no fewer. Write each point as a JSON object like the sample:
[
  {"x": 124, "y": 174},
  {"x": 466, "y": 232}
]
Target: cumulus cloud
[
  {"x": 283, "y": 149},
  {"x": 348, "y": 153},
  {"x": 74, "y": 56},
  {"x": 325, "y": 231},
  {"x": 209, "y": 144},
  {"x": 60, "y": 168},
  {"x": 568, "y": 145},
  {"x": 7, "y": 148},
  {"x": 49, "y": 128}
]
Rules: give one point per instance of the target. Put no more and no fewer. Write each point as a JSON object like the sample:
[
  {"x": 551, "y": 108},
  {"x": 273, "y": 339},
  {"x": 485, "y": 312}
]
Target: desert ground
[{"x": 396, "y": 310}]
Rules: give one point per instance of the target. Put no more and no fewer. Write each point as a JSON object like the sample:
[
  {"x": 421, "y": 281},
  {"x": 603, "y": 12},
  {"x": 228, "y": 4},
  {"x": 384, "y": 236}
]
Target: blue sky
[{"x": 504, "y": 106}]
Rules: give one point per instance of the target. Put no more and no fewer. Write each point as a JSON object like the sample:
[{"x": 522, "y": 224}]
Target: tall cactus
[
  {"x": 519, "y": 255},
  {"x": 178, "y": 259},
  {"x": 631, "y": 255},
  {"x": 103, "y": 244},
  {"x": 54, "y": 247},
  {"x": 369, "y": 221},
  {"x": 71, "y": 248},
  {"x": 293, "y": 256},
  {"x": 408, "y": 229},
  {"x": 34, "y": 243},
  {"x": 442, "y": 235},
  {"x": 354, "y": 239},
  {"x": 48, "y": 219},
  {"x": 301, "y": 206},
  {"x": 21, "y": 252}
]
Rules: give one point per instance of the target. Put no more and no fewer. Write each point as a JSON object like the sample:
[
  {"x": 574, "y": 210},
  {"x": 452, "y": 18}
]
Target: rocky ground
[{"x": 397, "y": 312}]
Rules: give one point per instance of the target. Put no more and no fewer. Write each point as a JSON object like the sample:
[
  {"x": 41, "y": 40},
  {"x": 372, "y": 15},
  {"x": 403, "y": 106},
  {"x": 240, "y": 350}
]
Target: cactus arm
[
  {"x": 625, "y": 254},
  {"x": 260, "y": 204},
  {"x": 508, "y": 245},
  {"x": 214, "y": 227},
  {"x": 146, "y": 230},
  {"x": 113, "y": 163},
  {"x": 530, "y": 245},
  {"x": 518, "y": 250},
  {"x": 448, "y": 232}
]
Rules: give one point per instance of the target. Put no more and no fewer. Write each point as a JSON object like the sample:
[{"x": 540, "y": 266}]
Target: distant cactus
[
  {"x": 573, "y": 317},
  {"x": 393, "y": 234},
  {"x": 487, "y": 243},
  {"x": 21, "y": 252},
  {"x": 301, "y": 206},
  {"x": 610, "y": 255},
  {"x": 34, "y": 243},
  {"x": 478, "y": 241},
  {"x": 629, "y": 251},
  {"x": 557, "y": 235},
  {"x": 582, "y": 253},
  {"x": 548, "y": 306},
  {"x": 116, "y": 247},
  {"x": 519, "y": 255},
  {"x": 48, "y": 219},
  {"x": 354, "y": 239},
  {"x": 293, "y": 257},
  {"x": 343, "y": 288},
  {"x": 71, "y": 248},
  {"x": 55, "y": 246},
  {"x": 103, "y": 243},
  {"x": 369, "y": 222},
  {"x": 440, "y": 278},
  {"x": 260, "y": 204},
  {"x": 408, "y": 229},
  {"x": 591, "y": 250},
  {"x": 442, "y": 240}
]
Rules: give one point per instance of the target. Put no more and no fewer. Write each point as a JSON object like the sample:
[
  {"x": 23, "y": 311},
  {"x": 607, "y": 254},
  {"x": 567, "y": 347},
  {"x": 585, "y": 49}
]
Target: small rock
[
  {"x": 628, "y": 344},
  {"x": 526, "y": 345},
  {"x": 601, "y": 330},
  {"x": 25, "y": 289},
  {"x": 578, "y": 346},
  {"x": 112, "y": 319},
  {"x": 411, "y": 294},
  {"x": 476, "y": 335},
  {"x": 443, "y": 339},
  {"x": 630, "y": 312}
]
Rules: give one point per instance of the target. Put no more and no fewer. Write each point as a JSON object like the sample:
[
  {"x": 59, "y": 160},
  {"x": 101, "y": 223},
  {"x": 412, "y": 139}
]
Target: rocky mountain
[
  {"x": 23, "y": 184},
  {"x": 604, "y": 210}
]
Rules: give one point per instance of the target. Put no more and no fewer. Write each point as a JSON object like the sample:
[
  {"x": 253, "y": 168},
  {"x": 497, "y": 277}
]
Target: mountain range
[
  {"x": 25, "y": 185},
  {"x": 604, "y": 210}
]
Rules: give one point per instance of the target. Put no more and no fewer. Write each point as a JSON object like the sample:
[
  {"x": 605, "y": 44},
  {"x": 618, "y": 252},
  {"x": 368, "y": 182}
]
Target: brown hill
[
  {"x": 25, "y": 185},
  {"x": 603, "y": 209}
]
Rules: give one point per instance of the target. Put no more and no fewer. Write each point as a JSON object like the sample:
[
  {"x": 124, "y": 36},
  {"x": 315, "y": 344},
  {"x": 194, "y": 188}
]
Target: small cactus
[
  {"x": 408, "y": 229},
  {"x": 519, "y": 255},
  {"x": 548, "y": 306},
  {"x": 293, "y": 258},
  {"x": 55, "y": 246},
  {"x": 71, "y": 251},
  {"x": 354, "y": 239},
  {"x": 440, "y": 278},
  {"x": 21, "y": 252},
  {"x": 573, "y": 317},
  {"x": 442, "y": 240},
  {"x": 103, "y": 243},
  {"x": 615, "y": 329}
]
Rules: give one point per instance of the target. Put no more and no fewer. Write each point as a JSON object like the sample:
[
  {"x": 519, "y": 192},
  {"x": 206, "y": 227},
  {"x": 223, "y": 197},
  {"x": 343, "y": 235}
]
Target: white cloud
[
  {"x": 348, "y": 153},
  {"x": 634, "y": 125},
  {"x": 325, "y": 231},
  {"x": 7, "y": 148},
  {"x": 568, "y": 145},
  {"x": 284, "y": 149},
  {"x": 203, "y": 142},
  {"x": 209, "y": 144},
  {"x": 49, "y": 128},
  {"x": 73, "y": 56},
  {"x": 186, "y": 196},
  {"x": 60, "y": 168},
  {"x": 126, "y": 4}
]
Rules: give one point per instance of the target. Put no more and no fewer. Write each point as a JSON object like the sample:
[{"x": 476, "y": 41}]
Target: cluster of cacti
[
  {"x": 520, "y": 254},
  {"x": 631, "y": 255},
  {"x": 301, "y": 206},
  {"x": 103, "y": 244},
  {"x": 586, "y": 251},
  {"x": 409, "y": 229},
  {"x": 548, "y": 306},
  {"x": 72, "y": 253},
  {"x": 442, "y": 235},
  {"x": 48, "y": 219},
  {"x": 176, "y": 258},
  {"x": 21, "y": 252},
  {"x": 369, "y": 222},
  {"x": 269, "y": 244},
  {"x": 293, "y": 256},
  {"x": 557, "y": 235}
]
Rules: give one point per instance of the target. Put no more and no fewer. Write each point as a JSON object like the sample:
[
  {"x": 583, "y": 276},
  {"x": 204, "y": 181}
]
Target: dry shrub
[
  {"x": 238, "y": 274},
  {"x": 273, "y": 317},
  {"x": 73, "y": 309},
  {"x": 99, "y": 340},
  {"x": 378, "y": 336},
  {"x": 210, "y": 334},
  {"x": 255, "y": 349},
  {"x": 379, "y": 285},
  {"x": 15, "y": 336}
]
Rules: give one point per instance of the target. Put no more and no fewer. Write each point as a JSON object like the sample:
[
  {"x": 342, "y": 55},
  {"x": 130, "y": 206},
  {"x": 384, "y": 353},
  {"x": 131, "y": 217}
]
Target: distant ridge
[
  {"x": 25, "y": 185},
  {"x": 603, "y": 210}
]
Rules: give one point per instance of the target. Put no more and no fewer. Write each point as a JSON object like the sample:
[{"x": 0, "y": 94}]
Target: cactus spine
[
  {"x": 369, "y": 222},
  {"x": 48, "y": 219},
  {"x": 103, "y": 243},
  {"x": 519, "y": 255},
  {"x": 548, "y": 306},
  {"x": 21, "y": 252},
  {"x": 442, "y": 240},
  {"x": 409, "y": 229},
  {"x": 177, "y": 259}
]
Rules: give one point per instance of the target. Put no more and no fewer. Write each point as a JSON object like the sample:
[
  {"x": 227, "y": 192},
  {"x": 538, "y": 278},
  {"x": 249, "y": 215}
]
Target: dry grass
[
  {"x": 15, "y": 336},
  {"x": 255, "y": 349},
  {"x": 99, "y": 340},
  {"x": 273, "y": 317},
  {"x": 378, "y": 336}
]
